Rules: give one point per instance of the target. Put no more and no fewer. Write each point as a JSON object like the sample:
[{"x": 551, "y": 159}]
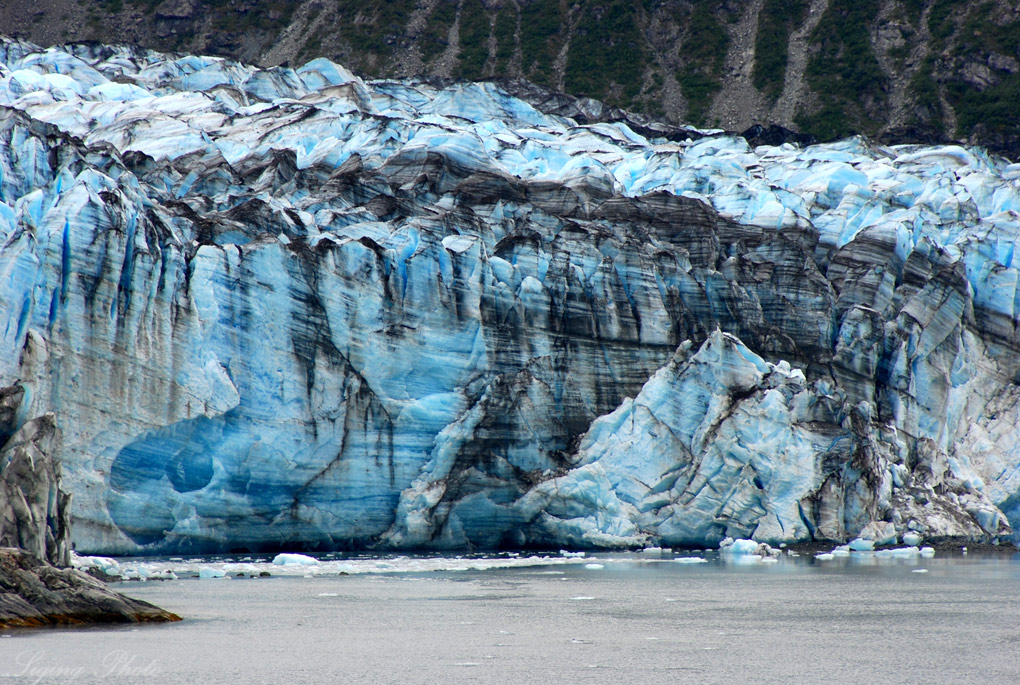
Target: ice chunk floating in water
[{"x": 294, "y": 309}]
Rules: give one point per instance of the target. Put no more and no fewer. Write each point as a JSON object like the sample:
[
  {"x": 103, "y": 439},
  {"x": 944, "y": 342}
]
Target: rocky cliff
[
  {"x": 34, "y": 512},
  {"x": 907, "y": 70},
  {"x": 281, "y": 308}
]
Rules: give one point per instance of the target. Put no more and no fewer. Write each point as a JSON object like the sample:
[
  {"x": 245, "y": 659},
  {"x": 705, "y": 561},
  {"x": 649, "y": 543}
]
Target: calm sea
[{"x": 602, "y": 619}]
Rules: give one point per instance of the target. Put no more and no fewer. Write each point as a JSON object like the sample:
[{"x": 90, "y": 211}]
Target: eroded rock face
[
  {"x": 290, "y": 308},
  {"x": 34, "y": 512},
  {"x": 34, "y": 594}
]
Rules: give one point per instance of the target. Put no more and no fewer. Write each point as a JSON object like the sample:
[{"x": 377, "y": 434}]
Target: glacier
[{"x": 290, "y": 308}]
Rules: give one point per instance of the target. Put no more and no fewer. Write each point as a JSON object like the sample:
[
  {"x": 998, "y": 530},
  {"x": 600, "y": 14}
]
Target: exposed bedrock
[
  {"x": 34, "y": 594},
  {"x": 34, "y": 512},
  {"x": 272, "y": 309}
]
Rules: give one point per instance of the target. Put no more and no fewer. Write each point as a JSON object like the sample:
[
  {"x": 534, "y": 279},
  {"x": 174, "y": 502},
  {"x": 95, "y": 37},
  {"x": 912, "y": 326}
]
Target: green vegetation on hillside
[
  {"x": 606, "y": 55},
  {"x": 372, "y": 29},
  {"x": 928, "y": 106},
  {"x": 474, "y": 39},
  {"x": 844, "y": 73},
  {"x": 541, "y": 21},
  {"x": 994, "y": 108},
  {"x": 704, "y": 54},
  {"x": 435, "y": 37},
  {"x": 777, "y": 21},
  {"x": 912, "y": 10},
  {"x": 940, "y": 21},
  {"x": 505, "y": 30}
]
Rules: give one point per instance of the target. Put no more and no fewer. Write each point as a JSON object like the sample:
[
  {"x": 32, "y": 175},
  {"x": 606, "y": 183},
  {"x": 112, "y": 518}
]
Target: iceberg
[{"x": 291, "y": 559}]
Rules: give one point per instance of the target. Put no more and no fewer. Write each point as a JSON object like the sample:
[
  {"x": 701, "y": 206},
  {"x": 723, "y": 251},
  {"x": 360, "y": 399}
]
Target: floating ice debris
[
  {"x": 569, "y": 555},
  {"x": 738, "y": 547},
  {"x": 104, "y": 564},
  {"x": 862, "y": 545},
  {"x": 825, "y": 556},
  {"x": 911, "y": 538},
  {"x": 582, "y": 598},
  {"x": 930, "y": 551},
  {"x": 745, "y": 551},
  {"x": 690, "y": 560},
  {"x": 209, "y": 572},
  {"x": 286, "y": 559},
  {"x": 595, "y": 567}
]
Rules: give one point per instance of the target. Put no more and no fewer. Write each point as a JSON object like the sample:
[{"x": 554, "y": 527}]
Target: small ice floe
[
  {"x": 841, "y": 551},
  {"x": 569, "y": 555},
  {"x": 911, "y": 539},
  {"x": 104, "y": 564},
  {"x": 825, "y": 556},
  {"x": 862, "y": 545},
  {"x": 581, "y": 598},
  {"x": 594, "y": 567},
  {"x": 919, "y": 570},
  {"x": 210, "y": 572},
  {"x": 929, "y": 551},
  {"x": 286, "y": 559},
  {"x": 690, "y": 560},
  {"x": 744, "y": 551},
  {"x": 327, "y": 594},
  {"x": 650, "y": 550}
]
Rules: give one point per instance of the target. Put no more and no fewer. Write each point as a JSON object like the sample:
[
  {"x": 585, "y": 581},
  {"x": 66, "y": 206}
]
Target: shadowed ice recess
[{"x": 292, "y": 309}]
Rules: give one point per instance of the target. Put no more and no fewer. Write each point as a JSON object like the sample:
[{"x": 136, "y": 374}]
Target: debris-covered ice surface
[{"x": 292, "y": 305}]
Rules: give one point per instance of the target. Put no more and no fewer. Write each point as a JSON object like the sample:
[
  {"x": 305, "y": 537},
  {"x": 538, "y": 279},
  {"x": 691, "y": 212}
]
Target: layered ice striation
[{"x": 289, "y": 308}]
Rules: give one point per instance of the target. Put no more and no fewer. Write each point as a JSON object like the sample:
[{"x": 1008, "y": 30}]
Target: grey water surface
[{"x": 947, "y": 620}]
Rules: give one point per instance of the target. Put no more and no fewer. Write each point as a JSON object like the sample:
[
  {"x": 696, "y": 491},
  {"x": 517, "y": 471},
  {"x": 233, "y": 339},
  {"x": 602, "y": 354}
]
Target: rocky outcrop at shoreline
[
  {"x": 35, "y": 535},
  {"x": 34, "y": 511},
  {"x": 34, "y": 593}
]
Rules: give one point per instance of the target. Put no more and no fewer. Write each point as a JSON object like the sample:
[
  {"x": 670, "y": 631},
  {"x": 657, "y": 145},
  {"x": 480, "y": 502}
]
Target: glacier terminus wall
[{"x": 290, "y": 308}]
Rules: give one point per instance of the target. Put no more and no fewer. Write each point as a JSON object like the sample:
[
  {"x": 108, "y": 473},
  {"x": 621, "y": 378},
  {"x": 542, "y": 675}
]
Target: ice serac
[{"x": 292, "y": 308}]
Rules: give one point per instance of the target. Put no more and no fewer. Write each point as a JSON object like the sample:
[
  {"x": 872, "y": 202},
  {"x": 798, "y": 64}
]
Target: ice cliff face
[{"x": 291, "y": 308}]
